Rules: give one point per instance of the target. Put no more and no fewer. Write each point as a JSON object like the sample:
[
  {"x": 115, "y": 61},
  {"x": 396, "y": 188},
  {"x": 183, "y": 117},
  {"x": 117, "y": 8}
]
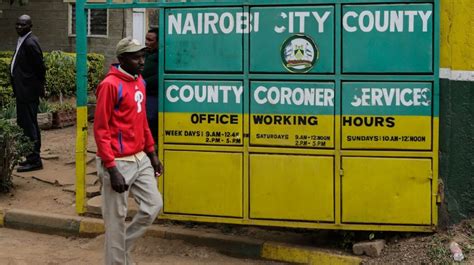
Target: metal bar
[
  {"x": 161, "y": 85},
  {"x": 280, "y": 76},
  {"x": 436, "y": 100},
  {"x": 226, "y": 3},
  {"x": 81, "y": 102}
]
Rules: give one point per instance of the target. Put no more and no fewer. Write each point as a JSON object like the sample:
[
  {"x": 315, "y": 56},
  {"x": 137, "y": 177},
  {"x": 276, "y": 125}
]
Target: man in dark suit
[{"x": 28, "y": 79}]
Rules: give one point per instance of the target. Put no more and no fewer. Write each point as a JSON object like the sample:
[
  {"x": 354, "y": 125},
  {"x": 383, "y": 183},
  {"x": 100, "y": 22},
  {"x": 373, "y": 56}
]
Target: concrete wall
[
  {"x": 457, "y": 109},
  {"x": 50, "y": 24}
]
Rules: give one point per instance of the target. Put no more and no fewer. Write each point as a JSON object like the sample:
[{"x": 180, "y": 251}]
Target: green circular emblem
[{"x": 299, "y": 53}]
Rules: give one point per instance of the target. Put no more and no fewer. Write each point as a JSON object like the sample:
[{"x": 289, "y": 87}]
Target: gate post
[{"x": 81, "y": 102}]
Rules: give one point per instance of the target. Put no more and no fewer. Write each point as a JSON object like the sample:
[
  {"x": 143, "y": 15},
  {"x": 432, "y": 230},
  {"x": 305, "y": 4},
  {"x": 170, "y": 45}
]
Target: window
[{"x": 97, "y": 21}]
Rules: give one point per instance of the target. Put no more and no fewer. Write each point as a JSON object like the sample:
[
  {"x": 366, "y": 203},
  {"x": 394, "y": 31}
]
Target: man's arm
[
  {"x": 150, "y": 148},
  {"x": 106, "y": 98},
  {"x": 35, "y": 58}
]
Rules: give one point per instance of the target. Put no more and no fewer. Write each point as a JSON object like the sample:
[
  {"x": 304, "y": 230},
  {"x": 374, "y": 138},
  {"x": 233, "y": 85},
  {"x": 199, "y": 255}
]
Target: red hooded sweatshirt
[{"x": 120, "y": 122}]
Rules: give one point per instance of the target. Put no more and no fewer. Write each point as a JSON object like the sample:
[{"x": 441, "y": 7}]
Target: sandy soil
[
  {"x": 30, "y": 192},
  {"x": 22, "y": 248}
]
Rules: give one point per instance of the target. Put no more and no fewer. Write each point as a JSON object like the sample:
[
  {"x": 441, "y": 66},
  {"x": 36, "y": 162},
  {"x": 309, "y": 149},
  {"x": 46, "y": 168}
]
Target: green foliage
[
  {"x": 8, "y": 111},
  {"x": 91, "y": 99},
  {"x": 44, "y": 106},
  {"x": 56, "y": 107},
  {"x": 438, "y": 250},
  {"x": 13, "y": 145},
  {"x": 6, "y": 91},
  {"x": 95, "y": 73},
  {"x": 6, "y": 54},
  {"x": 60, "y": 74}
]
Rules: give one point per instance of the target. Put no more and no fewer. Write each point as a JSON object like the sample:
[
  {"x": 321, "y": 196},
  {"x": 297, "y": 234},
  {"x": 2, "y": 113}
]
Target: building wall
[
  {"x": 457, "y": 109},
  {"x": 50, "y": 24}
]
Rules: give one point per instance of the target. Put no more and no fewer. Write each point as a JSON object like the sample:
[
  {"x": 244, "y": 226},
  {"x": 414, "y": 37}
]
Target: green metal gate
[{"x": 315, "y": 114}]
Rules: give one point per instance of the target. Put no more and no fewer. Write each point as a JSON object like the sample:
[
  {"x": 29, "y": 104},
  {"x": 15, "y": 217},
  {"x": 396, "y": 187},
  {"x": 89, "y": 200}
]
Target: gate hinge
[
  {"x": 341, "y": 172},
  {"x": 440, "y": 194},
  {"x": 431, "y": 175}
]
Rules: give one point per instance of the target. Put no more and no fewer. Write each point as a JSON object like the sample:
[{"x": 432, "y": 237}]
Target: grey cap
[{"x": 128, "y": 45}]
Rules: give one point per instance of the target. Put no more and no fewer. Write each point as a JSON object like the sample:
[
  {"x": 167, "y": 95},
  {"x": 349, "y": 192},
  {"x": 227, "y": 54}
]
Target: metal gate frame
[{"x": 81, "y": 90}]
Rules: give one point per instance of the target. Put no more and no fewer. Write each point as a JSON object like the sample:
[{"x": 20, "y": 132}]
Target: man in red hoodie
[{"x": 127, "y": 161}]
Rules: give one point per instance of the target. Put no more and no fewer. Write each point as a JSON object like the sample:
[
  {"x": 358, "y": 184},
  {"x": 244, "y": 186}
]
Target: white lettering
[
  {"x": 411, "y": 20},
  {"x": 174, "y": 22},
  {"x": 366, "y": 27},
  {"x": 168, "y": 93},
  {"x": 213, "y": 23},
  {"x": 189, "y": 24},
  {"x": 396, "y": 20},
  {"x": 298, "y": 96},
  {"x": 424, "y": 19},
  {"x": 204, "y": 94},
  {"x": 321, "y": 20},
  {"x": 407, "y": 97},
  {"x": 230, "y": 24},
  {"x": 378, "y": 26},
  {"x": 242, "y": 23},
  {"x": 302, "y": 16},
  {"x": 344, "y": 21},
  {"x": 390, "y": 20}
]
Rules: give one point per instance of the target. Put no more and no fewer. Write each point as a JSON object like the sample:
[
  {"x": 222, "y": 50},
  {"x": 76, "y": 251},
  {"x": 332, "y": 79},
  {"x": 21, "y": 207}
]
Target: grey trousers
[{"x": 119, "y": 237}]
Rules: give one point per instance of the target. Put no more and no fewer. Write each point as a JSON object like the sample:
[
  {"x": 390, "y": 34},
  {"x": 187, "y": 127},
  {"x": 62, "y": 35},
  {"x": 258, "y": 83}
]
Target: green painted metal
[
  {"x": 204, "y": 96},
  {"x": 295, "y": 102},
  {"x": 387, "y": 98},
  {"x": 277, "y": 24},
  {"x": 387, "y": 38},
  {"x": 254, "y": 58},
  {"x": 195, "y": 47},
  {"x": 81, "y": 50}
]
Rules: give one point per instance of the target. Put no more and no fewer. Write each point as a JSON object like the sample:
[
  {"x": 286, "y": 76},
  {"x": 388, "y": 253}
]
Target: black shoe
[{"x": 30, "y": 167}]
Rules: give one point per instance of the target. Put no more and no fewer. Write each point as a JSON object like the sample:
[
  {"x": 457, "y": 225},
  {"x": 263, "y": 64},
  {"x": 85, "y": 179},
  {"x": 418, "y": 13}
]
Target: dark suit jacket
[{"x": 28, "y": 77}]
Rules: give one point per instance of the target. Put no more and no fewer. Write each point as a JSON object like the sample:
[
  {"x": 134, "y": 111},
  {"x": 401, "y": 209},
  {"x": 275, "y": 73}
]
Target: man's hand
[
  {"x": 156, "y": 163},
  {"x": 116, "y": 180}
]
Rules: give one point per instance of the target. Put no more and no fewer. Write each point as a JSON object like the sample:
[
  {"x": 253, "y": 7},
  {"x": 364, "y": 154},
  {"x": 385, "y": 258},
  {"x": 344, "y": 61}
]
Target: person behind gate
[
  {"x": 150, "y": 74},
  {"x": 126, "y": 157}
]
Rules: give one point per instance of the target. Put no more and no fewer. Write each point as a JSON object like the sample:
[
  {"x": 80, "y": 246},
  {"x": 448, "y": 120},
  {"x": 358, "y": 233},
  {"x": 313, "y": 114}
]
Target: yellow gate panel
[
  {"x": 292, "y": 187},
  {"x": 386, "y": 190},
  {"x": 203, "y": 183}
]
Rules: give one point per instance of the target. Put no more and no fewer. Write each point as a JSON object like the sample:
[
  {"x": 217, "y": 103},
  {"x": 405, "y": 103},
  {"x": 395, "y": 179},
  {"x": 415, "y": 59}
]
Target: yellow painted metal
[
  {"x": 81, "y": 156},
  {"x": 457, "y": 29},
  {"x": 386, "y": 190},
  {"x": 179, "y": 128},
  {"x": 282, "y": 252},
  {"x": 411, "y": 132},
  {"x": 434, "y": 186},
  {"x": 292, "y": 187},
  {"x": 205, "y": 183},
  {"x": 376, "y": 153},
  {"x": 320, "y": 135},
  {"x": 296, "y": 224}
]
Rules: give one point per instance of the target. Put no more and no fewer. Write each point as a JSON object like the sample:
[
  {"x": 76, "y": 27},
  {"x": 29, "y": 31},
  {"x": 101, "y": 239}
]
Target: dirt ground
[
  {"x": 46, "y": 190},
  {"x": 25, "y": 248}
]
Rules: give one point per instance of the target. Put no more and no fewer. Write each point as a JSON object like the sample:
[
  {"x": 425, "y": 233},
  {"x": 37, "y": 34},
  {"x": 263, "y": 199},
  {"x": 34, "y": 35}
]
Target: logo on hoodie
[{"x": 138, "y": 99}]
